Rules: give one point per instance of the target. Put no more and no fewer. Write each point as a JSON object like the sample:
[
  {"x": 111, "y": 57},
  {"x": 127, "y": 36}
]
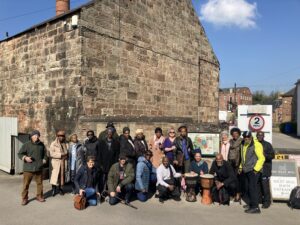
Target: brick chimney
[{"x": 62, "y": 6}]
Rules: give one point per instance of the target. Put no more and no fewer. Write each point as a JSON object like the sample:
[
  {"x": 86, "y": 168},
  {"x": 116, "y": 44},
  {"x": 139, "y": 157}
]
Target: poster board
[
  {"x": 209, "y": 143},
  {"x": 284, "y": 178}
]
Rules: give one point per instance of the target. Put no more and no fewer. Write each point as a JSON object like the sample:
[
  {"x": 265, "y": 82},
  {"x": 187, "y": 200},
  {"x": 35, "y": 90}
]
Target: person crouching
[
  {"x": 167, "y": 185},
  {"x": 119, "y": 182},
  {"x": 143, "y": 173},
  {"x": 86, "y": 181}
]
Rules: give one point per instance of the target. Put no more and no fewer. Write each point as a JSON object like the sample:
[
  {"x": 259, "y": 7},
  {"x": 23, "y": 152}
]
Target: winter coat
[
  {"x": 103, "y": 135},
  {"x": 114, "y": 175},
  {"x": 92, "y": 148},
  {"x": 80, "y": 156},
  {"x": 37, "y": 151},
  {"x": 269, "y": 155},
  {"x": 158, "y": 153},
  {"x": 59, "y": 165},
  {"x": 143, "y": 172},
  {"x": 140, "y": 146},
  {"x": 178, "y": 145},
  {"x": 108, "y": 156},
  {"x": 224, "y": 173},
  {"x": 128, "y": 149},
  {"x": 234, "y": 155},
  {"x": 252, "y": 156},
  {"x": 81, "y": 178}
]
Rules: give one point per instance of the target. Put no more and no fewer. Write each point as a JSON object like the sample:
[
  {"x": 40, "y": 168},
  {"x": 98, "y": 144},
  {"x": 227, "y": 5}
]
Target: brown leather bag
[{"x": 79, "y": 202}]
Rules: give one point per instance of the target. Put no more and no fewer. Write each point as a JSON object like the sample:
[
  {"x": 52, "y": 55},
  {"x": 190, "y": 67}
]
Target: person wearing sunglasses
[{"x": 58, "y": 153}]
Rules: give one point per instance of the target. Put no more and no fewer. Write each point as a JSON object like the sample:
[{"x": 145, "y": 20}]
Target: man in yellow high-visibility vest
[{"x": 252, "y": 161}]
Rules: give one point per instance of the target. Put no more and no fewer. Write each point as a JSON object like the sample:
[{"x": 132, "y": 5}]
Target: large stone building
[
  {"x": 140, "y": 63},
  {"x": 229, "y": 98}
]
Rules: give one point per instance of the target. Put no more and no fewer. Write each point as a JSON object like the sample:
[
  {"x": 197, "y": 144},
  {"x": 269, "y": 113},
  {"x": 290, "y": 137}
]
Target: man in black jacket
[
  {"x": 109, "y": 155},
  {"x": 184, "y": 150},
  {"x": 264, "y": 185},
  {"x": 224, "y": 177}
]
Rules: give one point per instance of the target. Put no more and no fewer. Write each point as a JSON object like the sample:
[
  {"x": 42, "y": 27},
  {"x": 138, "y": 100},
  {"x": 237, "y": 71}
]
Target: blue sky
[{"x": 256, "y": 42}]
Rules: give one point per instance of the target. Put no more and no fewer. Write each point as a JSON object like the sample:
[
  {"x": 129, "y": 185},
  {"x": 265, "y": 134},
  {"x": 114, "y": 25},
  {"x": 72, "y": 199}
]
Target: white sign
[
  {"x": 284, "y": 178},
  {"x": 256, "y": 118}
]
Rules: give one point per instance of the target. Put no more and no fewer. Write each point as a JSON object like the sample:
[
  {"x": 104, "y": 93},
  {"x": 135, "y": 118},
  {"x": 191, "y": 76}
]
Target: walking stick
[{"x": 120, "y": 199}]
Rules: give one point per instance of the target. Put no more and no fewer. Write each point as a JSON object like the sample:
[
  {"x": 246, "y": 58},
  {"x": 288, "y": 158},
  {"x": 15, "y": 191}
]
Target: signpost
[
  {"x": 284, "y": 178},
  {"x": 256, "y": 118}
]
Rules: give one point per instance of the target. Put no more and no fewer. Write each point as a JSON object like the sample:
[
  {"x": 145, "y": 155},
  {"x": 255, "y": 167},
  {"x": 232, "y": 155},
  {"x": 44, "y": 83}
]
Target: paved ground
[
  {"x": 281, "y": 140},
  {"x": 59, "y": 210}
]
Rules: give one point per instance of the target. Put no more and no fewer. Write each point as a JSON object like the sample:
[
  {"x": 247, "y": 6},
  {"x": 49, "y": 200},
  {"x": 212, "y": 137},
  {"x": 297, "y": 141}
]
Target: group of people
[{"x": 117, "y": 167}]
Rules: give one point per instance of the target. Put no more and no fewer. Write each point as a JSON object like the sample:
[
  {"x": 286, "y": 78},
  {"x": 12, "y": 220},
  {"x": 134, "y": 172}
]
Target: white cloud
[{"x": 238, "y": 13}]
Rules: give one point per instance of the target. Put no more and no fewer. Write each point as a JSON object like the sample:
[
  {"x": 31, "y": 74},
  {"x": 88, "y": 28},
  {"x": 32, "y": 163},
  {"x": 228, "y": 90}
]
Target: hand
[
  {"x": 118, "y": 189},
  {"x": 201, "y": 172},
  {"x": 28, "y": 159},
  {"x": 192, "y": 172},
  {"x": 255, "y": 172},
  {"x": 175, "y": 162},
  {"x": 81, "y": 191},
  {"x": 44, "y": 161},
  {"x": 143, "y": 190},
  {"x": 239, "y": 171},
  {"x": 98, "y": 194},
  {"x": 112, "y": 194},
  {"x": 173, "y": 147},
  {"x": 171, "y": 187},
  {"x": 219, "y": 185}
]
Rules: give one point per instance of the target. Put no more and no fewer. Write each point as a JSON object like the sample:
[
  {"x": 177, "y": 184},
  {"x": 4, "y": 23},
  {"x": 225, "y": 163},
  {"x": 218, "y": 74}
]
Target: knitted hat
[{"x": 35, "y": 132}]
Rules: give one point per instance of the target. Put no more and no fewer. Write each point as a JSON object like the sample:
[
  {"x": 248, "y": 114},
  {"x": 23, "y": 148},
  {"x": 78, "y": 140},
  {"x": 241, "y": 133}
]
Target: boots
[
  {"x": 53, "y": 190},
  {"x": 61, "y": 191}
]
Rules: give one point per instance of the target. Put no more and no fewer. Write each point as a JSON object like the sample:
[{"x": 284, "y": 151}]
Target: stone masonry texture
[{"x": 142, "y": 63}]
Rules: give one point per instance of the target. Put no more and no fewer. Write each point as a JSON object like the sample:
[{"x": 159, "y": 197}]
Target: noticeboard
[
  {"x": 284, "y": 178},
  {"x": 209, "y": 143}
]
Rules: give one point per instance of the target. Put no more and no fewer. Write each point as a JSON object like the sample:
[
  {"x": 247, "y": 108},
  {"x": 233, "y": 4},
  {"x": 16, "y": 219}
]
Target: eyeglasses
[{"x": 60, "y": 135}]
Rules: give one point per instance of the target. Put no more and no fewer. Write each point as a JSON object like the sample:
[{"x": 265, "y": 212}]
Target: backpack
[
  {"x": 294, "y": 201},
  {"x": 79, "y": 202}
]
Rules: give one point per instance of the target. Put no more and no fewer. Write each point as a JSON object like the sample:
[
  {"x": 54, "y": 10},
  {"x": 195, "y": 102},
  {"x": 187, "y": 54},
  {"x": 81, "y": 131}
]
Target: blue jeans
[
  {"x": 142, "y": 196},
  {"x": 125, "y": 191},
  {"x": 91, "y": 196}
]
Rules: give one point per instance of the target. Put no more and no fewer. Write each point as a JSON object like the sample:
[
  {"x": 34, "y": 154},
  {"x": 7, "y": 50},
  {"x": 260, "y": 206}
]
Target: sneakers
[
  {"x": 24, "y": 201},
  {"x": 252, "y": 211}
]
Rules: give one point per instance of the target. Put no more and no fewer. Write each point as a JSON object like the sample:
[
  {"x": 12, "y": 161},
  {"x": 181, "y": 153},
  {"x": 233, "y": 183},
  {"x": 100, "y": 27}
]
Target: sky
[{"x": 256, "y": 42}]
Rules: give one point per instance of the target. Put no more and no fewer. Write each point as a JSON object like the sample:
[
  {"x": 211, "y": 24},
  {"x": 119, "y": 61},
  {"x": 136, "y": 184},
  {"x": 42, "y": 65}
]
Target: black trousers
[
  {"x": 165, "y": 193},
  {"x": 102, "y": 185},
  {"x": 264, "y": 190},
  {"x": 251, "y": 191}
]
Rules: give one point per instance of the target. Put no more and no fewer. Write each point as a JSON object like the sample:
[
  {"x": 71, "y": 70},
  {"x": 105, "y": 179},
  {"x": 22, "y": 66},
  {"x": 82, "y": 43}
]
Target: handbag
[{"x": 79, "y": 202}]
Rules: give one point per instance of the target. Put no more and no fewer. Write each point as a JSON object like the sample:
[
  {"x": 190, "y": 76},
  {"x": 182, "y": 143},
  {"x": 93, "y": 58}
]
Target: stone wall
[
  {"x": 147, "y": 61},
  {"x": 143, "y": 63},
  {"x": 40, "y": 78}
]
